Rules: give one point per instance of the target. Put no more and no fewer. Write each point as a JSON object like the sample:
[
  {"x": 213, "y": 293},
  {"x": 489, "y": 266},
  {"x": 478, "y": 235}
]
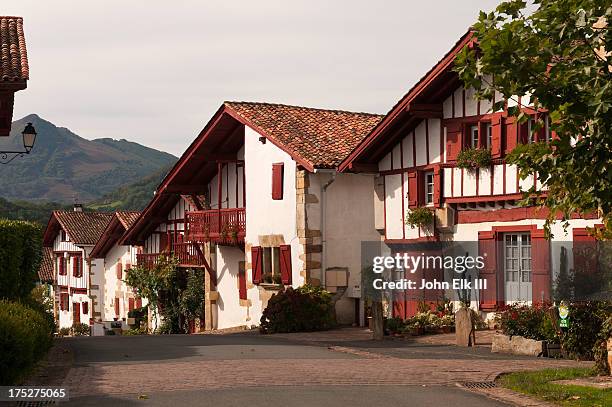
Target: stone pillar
[
  {"x": 309, "y": 238},
  {"x": 464, "y": 327}
]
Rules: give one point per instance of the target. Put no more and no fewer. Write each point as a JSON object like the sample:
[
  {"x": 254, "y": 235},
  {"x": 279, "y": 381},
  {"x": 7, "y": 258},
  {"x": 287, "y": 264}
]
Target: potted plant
[
  {"x": 420, "y": 217},
  {"x": 473, "y": 158}
]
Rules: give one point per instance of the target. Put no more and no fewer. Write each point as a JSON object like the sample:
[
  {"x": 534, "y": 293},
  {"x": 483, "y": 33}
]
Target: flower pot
[
  {"x": 553, "y": 350},
  {"x": 417, "y": 330}
]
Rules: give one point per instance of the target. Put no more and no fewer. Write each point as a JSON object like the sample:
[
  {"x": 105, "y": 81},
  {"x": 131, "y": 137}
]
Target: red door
[{"x": 76, "y": 313}]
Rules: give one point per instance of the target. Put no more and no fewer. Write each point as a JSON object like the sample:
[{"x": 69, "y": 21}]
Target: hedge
[
  {"x": 25, "y": 337},
  {"x": 20, "y": 256}
]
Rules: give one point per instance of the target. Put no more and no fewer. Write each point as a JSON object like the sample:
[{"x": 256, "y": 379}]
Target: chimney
[{"x": 78, "y": 207}]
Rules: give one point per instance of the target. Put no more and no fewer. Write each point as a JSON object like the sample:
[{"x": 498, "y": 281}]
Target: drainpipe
[{"x": 322, "y": 220}]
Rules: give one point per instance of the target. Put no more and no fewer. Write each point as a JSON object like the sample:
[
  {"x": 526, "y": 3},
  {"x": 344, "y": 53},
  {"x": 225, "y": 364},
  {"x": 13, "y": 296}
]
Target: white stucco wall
[
  {"x": 349, "y": 220},
  {"x": 230, "y": 312}
]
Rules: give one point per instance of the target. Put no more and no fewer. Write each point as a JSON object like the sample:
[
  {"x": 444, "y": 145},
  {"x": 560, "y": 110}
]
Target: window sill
[{"x": 271, "y": 286}]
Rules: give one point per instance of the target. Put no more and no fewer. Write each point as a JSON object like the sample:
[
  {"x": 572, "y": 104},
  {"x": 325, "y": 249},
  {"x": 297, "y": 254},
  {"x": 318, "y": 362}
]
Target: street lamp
[{"x": 29, "y": 137}]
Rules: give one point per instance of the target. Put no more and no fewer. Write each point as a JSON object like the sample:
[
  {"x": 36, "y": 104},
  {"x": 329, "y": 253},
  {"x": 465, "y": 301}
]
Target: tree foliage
[
  {"x": 560, "y": 54},
  {"x": 177, "y": 294},
  {"x": 20, "y": 256}
]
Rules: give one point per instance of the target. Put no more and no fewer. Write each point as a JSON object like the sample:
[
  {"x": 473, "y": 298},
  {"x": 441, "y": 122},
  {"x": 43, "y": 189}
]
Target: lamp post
[{"x": 29, "y": 137}]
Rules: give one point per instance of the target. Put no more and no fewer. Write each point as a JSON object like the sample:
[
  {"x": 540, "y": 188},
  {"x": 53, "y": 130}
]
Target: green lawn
[{"x": 537, "y": 384}]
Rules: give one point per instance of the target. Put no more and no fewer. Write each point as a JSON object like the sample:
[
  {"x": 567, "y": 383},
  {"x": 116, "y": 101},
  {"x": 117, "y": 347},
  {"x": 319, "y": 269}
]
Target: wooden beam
[
  {"x": 434, "y": 107},
  {"x": 363, "y": 167},
  {"x": 214, "y": 157},
  {"x": 184, "y": 189}
]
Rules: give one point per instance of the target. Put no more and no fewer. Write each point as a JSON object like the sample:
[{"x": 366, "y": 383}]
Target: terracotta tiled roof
[
  {"x": 127, "y": 219},
  {"x": 321, "y": 137},
  {"x": 83, "y": 228},
  {"x": 45, "y": 272},
  {"x": 13, "y": 54}
]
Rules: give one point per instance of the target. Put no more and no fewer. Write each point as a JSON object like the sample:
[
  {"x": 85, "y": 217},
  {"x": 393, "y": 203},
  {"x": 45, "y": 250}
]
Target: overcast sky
[{"x": 155, "y": 71}]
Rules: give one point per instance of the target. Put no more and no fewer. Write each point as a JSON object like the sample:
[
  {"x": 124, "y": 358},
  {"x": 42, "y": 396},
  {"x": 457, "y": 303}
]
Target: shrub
[
  {"x": 25, "y": 337},
  {"x": 395, "y": 324},
  {"x": 135, "y": 331},
  {"x": 20, "y": 255},
  {"x": 532, "y": 322},
  {"x": 80, "y": 330},
  {"x": 302, "y": 309},
  {"x": 472, "y": 158},
  {"x": 586, "y": 321},
  {"x": 419, "y": 217},
  {"x": 64, "y": 332}
]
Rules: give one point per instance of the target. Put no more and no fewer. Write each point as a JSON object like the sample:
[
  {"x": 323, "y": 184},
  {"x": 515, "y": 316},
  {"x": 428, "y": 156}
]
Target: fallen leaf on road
[{"x": 143, "y": 397}]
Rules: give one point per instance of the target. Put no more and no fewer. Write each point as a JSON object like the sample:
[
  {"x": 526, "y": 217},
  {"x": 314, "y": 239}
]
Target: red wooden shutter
[
  {"x": 413, "y": 190},
  {"x": 487, "y": 248},
  {"x": 437, "y": 186},
  {"x": 63, "y": 302},
  {"x": 540, "y": 267},
  {"x": 130, "y": 304},
  {"x": 242, "y": 289},
  {"x": 256, "y": 263},
  {"x": 116, "y": 306},
  {"x": 285, "y": 263},
  {"x": 85, "y": 306},
  {"x": 138, "y": 302},
  {"x": 453, "y": 141},
  {"x": 277, "y": 181},
  {"x": 511, "y": 134},
  {"x": 61, "y": 265},
  {"x": 420, "y": 188},
  {"x": 75, "y": 267},
  {"x": 119, "y": 271},
  {"x": 496, "y": 135}
]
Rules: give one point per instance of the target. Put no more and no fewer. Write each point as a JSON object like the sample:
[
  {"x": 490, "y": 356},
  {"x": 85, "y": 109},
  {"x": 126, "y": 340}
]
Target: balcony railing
[
  {"x": 223, "y": 226},
  {"x": 188, "y": 255}
]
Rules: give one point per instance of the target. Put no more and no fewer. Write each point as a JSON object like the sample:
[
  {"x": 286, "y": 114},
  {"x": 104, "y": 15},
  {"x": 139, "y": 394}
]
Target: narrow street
[{"x": 340, "y": 367}]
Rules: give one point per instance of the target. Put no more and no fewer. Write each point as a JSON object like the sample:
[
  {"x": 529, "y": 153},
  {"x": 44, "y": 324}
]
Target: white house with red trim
[
  {"x": 256, "y": 200},
  {"x": 413, "y": 151},
  {"x": 71, "y": 235},
  {"x": 115, "y": 298}
]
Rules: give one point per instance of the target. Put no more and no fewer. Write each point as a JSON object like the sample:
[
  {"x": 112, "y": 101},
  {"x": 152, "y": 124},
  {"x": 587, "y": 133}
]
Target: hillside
[
  {"x": 64, "y": 166},
  {"x": 133, "y": 197}
]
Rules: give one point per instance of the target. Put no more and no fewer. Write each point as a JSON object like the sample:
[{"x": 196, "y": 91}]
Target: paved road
[{"x": 240, "y": 369}]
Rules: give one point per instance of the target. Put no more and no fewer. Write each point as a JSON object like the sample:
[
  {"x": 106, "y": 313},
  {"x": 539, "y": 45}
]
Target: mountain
[
  {"x": 133, "y": 197},
  {"x": 64, "y": 167}
]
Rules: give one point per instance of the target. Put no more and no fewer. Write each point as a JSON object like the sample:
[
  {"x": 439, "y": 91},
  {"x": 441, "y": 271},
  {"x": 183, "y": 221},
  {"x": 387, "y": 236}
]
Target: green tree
[{"x": 559, "y": 52}]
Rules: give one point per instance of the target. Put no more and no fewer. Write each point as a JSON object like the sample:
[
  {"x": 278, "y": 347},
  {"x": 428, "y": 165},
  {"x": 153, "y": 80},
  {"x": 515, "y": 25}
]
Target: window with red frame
[
  {"x": 117, "y": 307},
  {"x": 85, "y": 306}
]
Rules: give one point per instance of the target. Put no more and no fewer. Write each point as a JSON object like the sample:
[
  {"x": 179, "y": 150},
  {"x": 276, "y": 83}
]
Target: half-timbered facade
[
  {"x": 116, "y": 298},
  {"x": 256, "y": 200},
  {"x": 414, "y": 151},
  {"x": 71, "y": 235}
]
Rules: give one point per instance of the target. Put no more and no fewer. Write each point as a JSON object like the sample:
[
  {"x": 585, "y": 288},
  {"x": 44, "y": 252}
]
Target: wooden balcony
[
  {"x": 222, "y": 226},
  {"x": 188, "y": 255}
]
